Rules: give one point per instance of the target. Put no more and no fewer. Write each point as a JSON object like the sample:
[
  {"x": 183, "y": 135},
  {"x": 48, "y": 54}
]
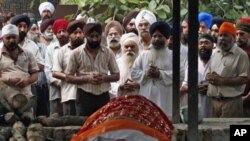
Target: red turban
[
  {"x": 243, "y": 24},
  {"x": 60, "y": 24},
  {"x": 228, "y": 28}
]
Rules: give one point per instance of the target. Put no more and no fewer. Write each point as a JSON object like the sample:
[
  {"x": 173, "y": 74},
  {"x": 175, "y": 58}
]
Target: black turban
[
  {"x": 218, "y": 21},
  {"x": 206, "y": 36},
  {"x": 45, "y": 24},
  {"x": 162, "y": 27},
  {"x": 91, "y": 27},
  {"x": 20, "y": 18},
  {"x": 73, "y": 25}
]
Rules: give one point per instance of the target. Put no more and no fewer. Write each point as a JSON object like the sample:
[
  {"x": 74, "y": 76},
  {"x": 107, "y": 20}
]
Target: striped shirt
[{"x": 82, "y": 63}]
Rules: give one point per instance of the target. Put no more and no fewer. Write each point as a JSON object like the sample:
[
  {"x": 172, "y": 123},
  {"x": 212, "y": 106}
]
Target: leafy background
[{"x": 105, "y": 10}]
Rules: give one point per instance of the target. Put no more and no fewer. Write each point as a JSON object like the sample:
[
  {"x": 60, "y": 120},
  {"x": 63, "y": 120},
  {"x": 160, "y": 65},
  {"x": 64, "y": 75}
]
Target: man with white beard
[
  {"x": 152, "y": 69},
  {"x": 113, "y": 32},
  {"x": 47, "y": 36},
  {"x": 130, "y": 50}
]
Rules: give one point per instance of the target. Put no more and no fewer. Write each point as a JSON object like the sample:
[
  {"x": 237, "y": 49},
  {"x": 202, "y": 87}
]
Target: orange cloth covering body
[{"x": 133, "y": 112}]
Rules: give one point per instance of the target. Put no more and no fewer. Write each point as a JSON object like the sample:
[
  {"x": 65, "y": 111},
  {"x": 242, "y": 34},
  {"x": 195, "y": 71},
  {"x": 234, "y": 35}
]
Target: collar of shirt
[
  {"x": 231, "y": 51},
  {"x": 5, "y": 51}
]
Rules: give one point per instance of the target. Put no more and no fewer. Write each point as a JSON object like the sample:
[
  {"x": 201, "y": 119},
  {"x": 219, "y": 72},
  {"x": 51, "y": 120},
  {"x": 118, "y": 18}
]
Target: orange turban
[{"x": 228, "y": 28}]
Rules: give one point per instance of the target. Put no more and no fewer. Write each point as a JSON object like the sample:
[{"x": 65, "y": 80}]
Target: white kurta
[
  {"x": 60, "y": 62},
  {"x": 204, "y": 101},
  {"x": 158, "y": 90}
]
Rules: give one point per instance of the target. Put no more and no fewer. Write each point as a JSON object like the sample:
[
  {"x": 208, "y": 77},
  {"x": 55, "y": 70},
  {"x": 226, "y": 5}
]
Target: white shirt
[
  {"x": 158, "y": 90},
  {"x": 61, "y": 60},
  {"x": 54, "y": 93},
  {"x": 204, "y": 101}
]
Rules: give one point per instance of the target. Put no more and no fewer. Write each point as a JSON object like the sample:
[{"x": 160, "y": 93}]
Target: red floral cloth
[{"x": 134, "y": 107}]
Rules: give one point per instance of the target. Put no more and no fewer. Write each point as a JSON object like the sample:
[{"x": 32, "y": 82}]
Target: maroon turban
[{"x": 45, "y": 24}]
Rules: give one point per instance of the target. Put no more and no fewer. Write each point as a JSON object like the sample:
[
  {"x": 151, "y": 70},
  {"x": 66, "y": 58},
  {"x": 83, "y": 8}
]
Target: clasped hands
[
  {"x": 214, "y": 79},
  {"x": 153, "y": 71},
  {"x": 96, "y": 78}
]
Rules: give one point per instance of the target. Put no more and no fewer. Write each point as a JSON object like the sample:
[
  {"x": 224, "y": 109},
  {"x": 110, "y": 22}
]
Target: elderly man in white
[
  {"x": 143, "y": 21},
  {"x": 130, "y": 50}
]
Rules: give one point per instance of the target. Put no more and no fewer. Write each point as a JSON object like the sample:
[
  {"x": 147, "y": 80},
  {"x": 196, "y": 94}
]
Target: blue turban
[{"x": 206, "y": 18}]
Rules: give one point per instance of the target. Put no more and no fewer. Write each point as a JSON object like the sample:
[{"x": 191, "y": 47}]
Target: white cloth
[
  {"x": 147, "y": 15},
  {"x": 158, "y": 90},
  {"x": 10, "y": 29},
  {"x": 124, "y": 135},
  {"x": 204, "y": 101},
  {"x": 54, "y": 93},
  {"x": 125, "y": 73},
  {"x": 61, "y": 60},
  {"x": 46, "y": 6}
]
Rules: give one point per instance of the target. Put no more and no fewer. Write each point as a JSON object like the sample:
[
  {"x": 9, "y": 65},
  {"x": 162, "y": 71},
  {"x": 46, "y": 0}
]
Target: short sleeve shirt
[
  {"x": 234, "y": 64},
  {"x": 21, "y": 68},
  {"x": 81, "y": 63}
]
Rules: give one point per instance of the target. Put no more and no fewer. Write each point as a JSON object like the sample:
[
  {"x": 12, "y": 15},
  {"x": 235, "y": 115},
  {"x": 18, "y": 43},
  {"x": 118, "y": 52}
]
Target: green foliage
[
  {"x": 118, "y": 9},
  {"x": 229, "y": 9},
  {"x": 106, "y": 10}
]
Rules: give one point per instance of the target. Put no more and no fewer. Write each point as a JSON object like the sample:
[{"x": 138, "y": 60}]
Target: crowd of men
[{"x": 68, "y": 69}]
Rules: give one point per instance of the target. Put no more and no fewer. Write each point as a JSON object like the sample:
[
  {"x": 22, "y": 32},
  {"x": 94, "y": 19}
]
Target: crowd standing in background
[{"x": 66, "y": 68}]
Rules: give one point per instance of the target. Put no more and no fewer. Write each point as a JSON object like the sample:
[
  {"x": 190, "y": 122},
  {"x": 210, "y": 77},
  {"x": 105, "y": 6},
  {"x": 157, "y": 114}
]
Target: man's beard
[
  {"x": 77, "y": 42},
  {"x": 127, "y": 63},
  {"x": 114, "y": 43},
  {"x": 22, "y": 36},
  {"x": 145, "y": 35},
  {"x": 133, "y": 30},
  {"x": 205, "y": 54},
  {"x": 45, "y": 17},
  {"x": 241, "y": 44},
  {"x": 48, "y": 35},
  {"x": 11, "y": 46},
  {"x": 225, "y": 46},
  {"x": 129, "y": 58},
  {"x": 93, "y": 44},
  {"x": 156, "y": 54},
  {"x": 63, "y": 40},
  {"x": 33, "y": 36},
  {"x": 184, "y": 39},
  {"x": 158, "y": 44}
]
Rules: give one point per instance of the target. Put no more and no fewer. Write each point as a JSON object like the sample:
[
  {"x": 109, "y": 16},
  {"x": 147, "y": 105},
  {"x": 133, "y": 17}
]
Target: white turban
[
  {"x": 46, "y": 6},
  {"x": 129, "y": 37},
  {"x": 10, "y": 29},
  {"x": 147, "y": 15}
]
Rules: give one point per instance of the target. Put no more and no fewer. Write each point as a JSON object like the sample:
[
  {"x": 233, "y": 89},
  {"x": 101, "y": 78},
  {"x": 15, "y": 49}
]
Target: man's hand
[
  {"x": 246, "y": 98},
  {"x": 203, "y": 89},
  {"x": 23, "y": 82},
  {"x": 153, "y": 72},
  {"x": 12, "y": 81},
  {"x": 214, "y": 79},
  {"x": 57, "y": 84},
  {"x": 96, "y": 78},
  {"x": 183, "y": 89}
]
